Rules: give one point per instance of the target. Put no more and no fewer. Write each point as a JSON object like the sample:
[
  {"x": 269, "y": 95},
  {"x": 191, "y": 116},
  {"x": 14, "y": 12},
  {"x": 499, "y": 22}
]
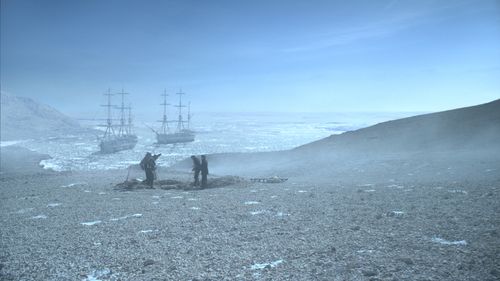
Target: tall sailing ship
[
  {"x": 117, "y": 137},
  {"x": 182, "y": 133}
]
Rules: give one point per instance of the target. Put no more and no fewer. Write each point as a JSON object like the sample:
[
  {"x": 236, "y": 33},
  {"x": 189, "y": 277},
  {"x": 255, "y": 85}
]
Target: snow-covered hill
[{"x": 24, "y": 118}]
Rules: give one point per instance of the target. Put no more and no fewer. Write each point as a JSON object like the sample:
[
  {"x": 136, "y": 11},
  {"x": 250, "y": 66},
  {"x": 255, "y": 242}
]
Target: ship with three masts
[
  {"x": 117, "y": 137},
  {"x": 182, "y": 133}
]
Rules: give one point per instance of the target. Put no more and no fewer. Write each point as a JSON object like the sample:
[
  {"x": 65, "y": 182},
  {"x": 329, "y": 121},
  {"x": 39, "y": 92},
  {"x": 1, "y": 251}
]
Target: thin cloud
[{"x": 374, "y": 30}]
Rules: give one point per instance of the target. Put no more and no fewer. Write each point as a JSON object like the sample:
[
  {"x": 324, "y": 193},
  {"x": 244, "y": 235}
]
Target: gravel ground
[{"x": 388, "y": 223}]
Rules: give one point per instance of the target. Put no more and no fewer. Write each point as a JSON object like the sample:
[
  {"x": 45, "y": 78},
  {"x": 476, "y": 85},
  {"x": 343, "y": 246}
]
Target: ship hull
[
  {"x": 180, "y": 137},
  {"x": 118, "y": 143}
]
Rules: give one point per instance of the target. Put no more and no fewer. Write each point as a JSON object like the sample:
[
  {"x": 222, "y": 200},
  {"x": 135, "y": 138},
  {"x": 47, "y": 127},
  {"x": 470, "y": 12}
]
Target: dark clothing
[
  {"x": 148, "y": 164},
  {"x": 204, "y": 172},
  {"x": 196, "y": 169}
]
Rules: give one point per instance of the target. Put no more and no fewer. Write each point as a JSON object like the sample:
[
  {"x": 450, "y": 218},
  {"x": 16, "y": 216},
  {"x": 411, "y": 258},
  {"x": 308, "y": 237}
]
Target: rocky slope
[{"x": 465, "y": 134}]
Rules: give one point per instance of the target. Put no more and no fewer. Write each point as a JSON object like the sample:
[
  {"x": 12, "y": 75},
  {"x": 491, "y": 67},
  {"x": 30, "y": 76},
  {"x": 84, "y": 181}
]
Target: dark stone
[
  {"x": 378, "y": 216},
  {"x": 355, "y": 228},
  {"x": 369, "y": 272},
  {"x": 495, "y": 272},
  {"x": 148, "y": 262},
  {"x": 407, "y": 260}
]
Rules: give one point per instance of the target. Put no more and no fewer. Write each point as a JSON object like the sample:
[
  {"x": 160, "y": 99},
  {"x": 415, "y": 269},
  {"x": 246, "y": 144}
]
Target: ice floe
[
  {"x": 251, "y": 203},
  {"x": 302, "y": 191},
  {"x": 281, "y": 214},
  {"x": 53, "y": 204},
  {"x": 146, "y": 231},
  {"x": 176, "y": 197},
  {"x": 39, "y": 217},
  {"x": 102, "y": 193},
  {"x": 194, "y": 208},
  {"x": 369, "y": 190},
  {"x": 274, "y": 196},
  {"x": 259, "y": 266},
  {"x": 366, "y": 185},
  {"x": 155, "y": 197},
  {"x": 192, "y": 199},
  {"x": 91, "y": 223},
  {"x": 126, "y": 217},
  {"x": 446, "y": 242},
  {"x": 259, "y": 212}
]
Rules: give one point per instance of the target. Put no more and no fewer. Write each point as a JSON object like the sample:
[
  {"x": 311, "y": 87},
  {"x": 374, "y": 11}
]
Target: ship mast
[
  {"x": 109, "y": 126},
  {"x": 129, "y": 119},
  {"x": 180, "y": 123},
  {"x": 122, "y": 130},
  {"x": 189, "y": 114},
  {"x": 164, "y": 123}
]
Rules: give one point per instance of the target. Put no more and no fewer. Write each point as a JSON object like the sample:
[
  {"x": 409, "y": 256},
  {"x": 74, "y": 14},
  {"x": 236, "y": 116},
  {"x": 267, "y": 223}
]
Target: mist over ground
[{"x": 346, "y": 140}]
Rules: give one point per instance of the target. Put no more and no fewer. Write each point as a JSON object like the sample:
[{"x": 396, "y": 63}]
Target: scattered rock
[
  {"x": 355, "y": 228},
  {"x": 148, "y": 262},
  {"x": 369, "y": 272},
  {"x": 274, "y": 179},
  {"x": 407, "y": 260}
]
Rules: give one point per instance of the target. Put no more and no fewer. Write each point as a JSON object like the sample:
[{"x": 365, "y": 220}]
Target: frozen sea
[{"x": 215, "y": 133}]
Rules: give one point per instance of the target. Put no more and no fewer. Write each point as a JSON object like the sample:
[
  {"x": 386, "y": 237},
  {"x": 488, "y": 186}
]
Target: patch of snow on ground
[
  {"x": 22, "y": 211},
  {"x": 74, "y": 184},
  {"x": 91, "y": 223},
  {"x": 53, "y": 204},
  {"x": 251, "y": 203},
  {"x": 126, "y": 217},
  {"x": 94, "y": 276},
  {"x": 39, "y": 217},
  {"x": 259, "y": 266},
  {"x": 446, "y": 242},
  {"x": 457, "y": 191}
]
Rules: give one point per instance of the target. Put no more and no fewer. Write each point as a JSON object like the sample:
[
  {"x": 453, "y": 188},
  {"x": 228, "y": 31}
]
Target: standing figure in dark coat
[
  {"x": 204, "y": 171},
  {"x": 196, "y": 170},
  {"x": 148, "y": 164}
]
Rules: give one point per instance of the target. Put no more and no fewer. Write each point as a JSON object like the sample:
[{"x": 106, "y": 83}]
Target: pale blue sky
[{"x": 254, "y": 55}]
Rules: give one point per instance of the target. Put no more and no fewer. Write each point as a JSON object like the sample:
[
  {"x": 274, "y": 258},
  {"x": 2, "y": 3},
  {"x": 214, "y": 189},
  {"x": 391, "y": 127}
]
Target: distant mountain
[{"x": 23, "y": 118}]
